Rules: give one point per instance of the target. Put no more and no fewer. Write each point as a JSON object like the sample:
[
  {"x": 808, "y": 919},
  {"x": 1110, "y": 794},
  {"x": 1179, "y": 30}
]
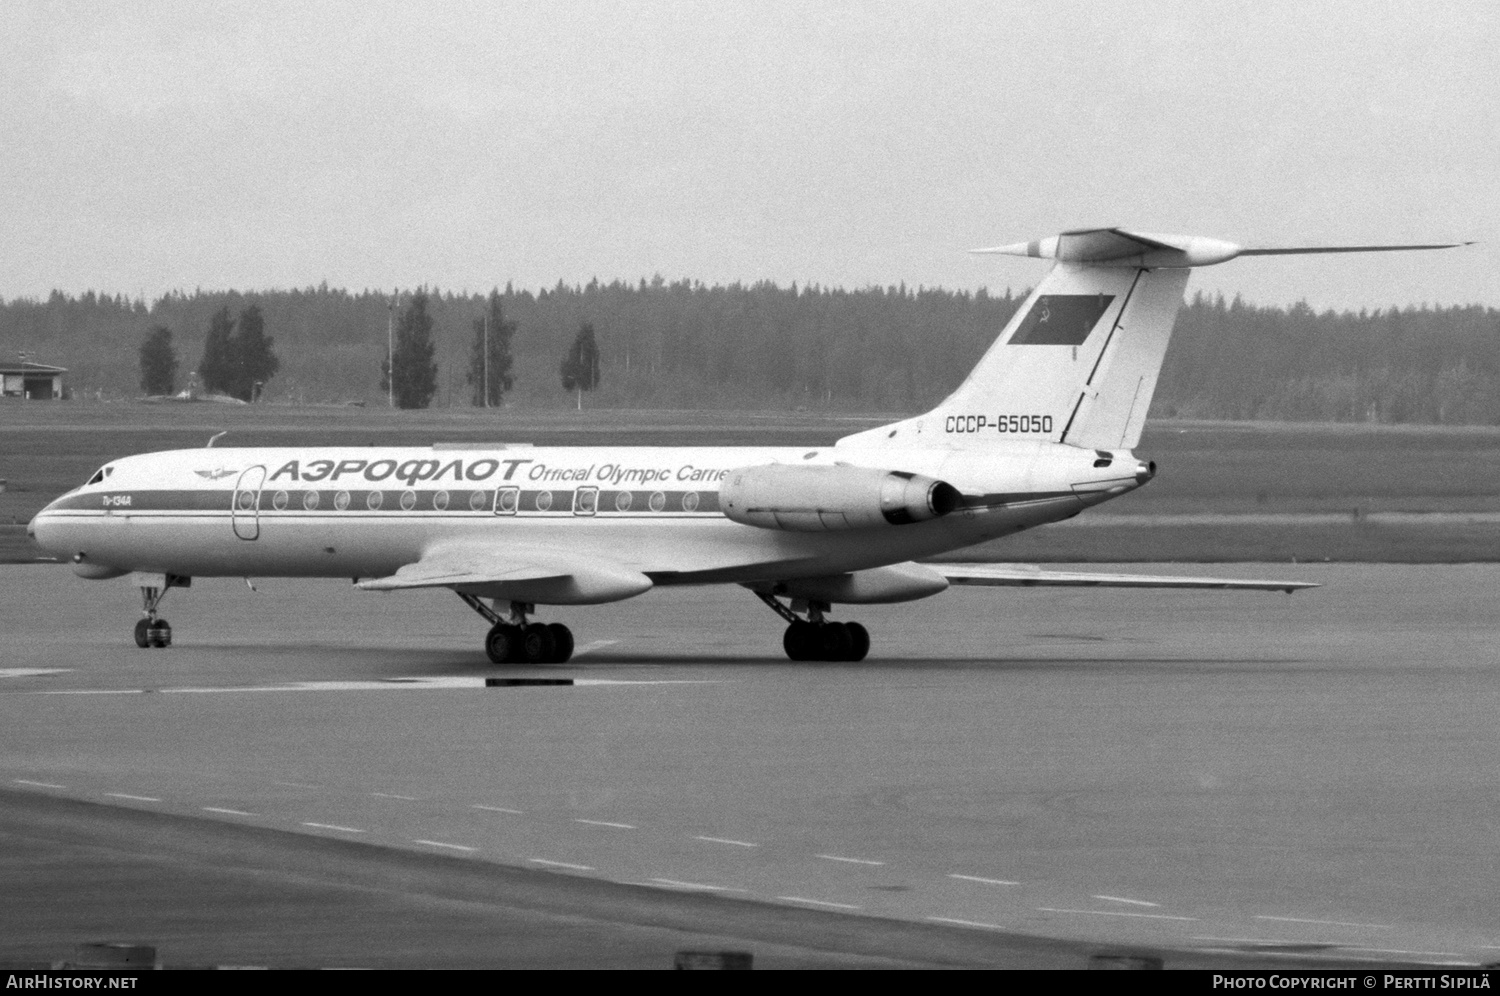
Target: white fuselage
[{"x": 366, "y": 512}]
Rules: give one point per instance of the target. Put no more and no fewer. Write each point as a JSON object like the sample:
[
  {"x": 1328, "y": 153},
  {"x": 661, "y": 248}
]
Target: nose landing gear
[
  {"x": 512, "y": 640},
  {"x": 816, "y": 638},
  {"x": 154, "y": 631}
]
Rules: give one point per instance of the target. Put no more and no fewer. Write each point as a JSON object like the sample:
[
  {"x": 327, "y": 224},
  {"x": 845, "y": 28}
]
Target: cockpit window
[{"x": 101, "y": 474}]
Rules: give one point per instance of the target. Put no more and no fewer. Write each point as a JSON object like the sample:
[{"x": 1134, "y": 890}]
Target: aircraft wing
[
  {"x": 1025, "y": 576},
  {"x": 516, "y": 574}
]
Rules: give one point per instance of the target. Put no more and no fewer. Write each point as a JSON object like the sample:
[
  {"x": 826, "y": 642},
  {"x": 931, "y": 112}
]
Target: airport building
[{"x": 31, "y": 381}]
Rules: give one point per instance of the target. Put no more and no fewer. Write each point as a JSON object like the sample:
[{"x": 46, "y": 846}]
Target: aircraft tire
[
  {"x": 142, "y": 634},
  {"x": 537, "y": 644},
  {"x": 501, "y": 643},
  {"x": 798, "y": 642},
  {"x": 859, "y": 639},
  {"x": 160, "y": 634},
  {"x": 562, "y": 643},
  {"x": 834, "y": 642}
]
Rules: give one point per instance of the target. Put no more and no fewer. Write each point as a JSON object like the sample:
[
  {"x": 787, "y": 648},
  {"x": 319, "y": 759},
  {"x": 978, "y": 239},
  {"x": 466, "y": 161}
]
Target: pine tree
[
  {"x": 254, "y": 362},
  {"x": 217, "y": 365},
  {"x": 580, "y": 368},
  {"x": 411, "y": 371},
  {"x": 158, "y": 362},
  {"x": 490, "y": 375}
]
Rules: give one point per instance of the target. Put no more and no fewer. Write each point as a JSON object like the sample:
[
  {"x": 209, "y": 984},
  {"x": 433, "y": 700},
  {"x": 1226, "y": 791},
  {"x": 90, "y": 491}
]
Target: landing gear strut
[
  {"x": 154, "y": 631},
  {"x": 512, "y": 640},
  {"x": 816, "y": 638}
]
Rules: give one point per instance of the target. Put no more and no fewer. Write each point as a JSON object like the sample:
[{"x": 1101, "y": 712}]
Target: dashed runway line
[
  {"x": 606, "y": 823},
  {"x": 227, "y": 812},
  {"x": 499, "y": 809},
  {"x": 851, "y": 861},
  {"x": 818, "y": 902},
  {"x": 726, "y": 840},
  {"x": 986, "y": 881},
  {"x": 452, "y": 847},
  {"x": 388, "y": 795},
  {"x": 31, "y": 672},
  {"x": 333, "y": 826},
  {"x": 45, "y": 785},
  {"x": 1122, "y": 899},
  {"x": 1325, "y": 923},
  {"x": 133, "y": 798},
  {"x": 560, "y": 864},
  {"x": 1143, "y": 916},
  {"x": 297, "y": 785},
  {"x": 1398, "y": 951}
]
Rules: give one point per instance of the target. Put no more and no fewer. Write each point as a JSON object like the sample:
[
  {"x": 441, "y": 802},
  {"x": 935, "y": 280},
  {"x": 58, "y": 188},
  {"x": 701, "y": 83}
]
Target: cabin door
[{"x": 245, "y": 509}]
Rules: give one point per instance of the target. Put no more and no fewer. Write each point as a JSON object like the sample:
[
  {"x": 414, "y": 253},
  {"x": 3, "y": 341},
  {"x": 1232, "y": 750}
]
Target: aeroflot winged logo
[{"x": 215, "y": 474}]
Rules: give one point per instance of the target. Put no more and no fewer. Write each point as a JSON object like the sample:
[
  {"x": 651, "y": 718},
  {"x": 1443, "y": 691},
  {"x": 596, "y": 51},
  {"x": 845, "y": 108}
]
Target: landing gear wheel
[
  {"x": 800, "y": 641},
  {"x": 859, "y": 639},
  {"x": 159, "y": 633},
  {"x": 562, "y": 643},
  {"x": 142, "y": 633},
  {"x": 537, "y": 644},
  {"x": 503, "y": 643},
  {"x": 834, "y": 641}
]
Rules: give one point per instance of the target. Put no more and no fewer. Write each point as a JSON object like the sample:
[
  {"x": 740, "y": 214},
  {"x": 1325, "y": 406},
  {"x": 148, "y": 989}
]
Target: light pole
[
  {"x": 390, "y": 350},
  {"x": 486, "y": 358}
]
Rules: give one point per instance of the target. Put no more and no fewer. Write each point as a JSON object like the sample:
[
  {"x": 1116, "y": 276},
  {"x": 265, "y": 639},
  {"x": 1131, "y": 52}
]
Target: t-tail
[{"x": 1078, "y": 361}]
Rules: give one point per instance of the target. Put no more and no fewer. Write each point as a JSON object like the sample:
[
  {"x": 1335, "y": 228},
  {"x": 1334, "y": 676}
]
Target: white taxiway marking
[
  {"x": 604, "y": 823},
  {"x": 1325, "y": 923},
  {"x": 818, "y": 902},
  {"x": 31, "y": 672},
  {"x": 726, "y": 840},
  {"x": 966, "y": 923},
  {"x": 382, "y": 685},
  {"x": 1122, "y": 899},
  {"x": 387, "y": 795},
  {"x": 499, "y": 809},
  {"x": 333, "y": 826},
  {"x": 852, "y": 861},
  {"x": 228, "y": 812},
  {"x": 137, "y": 798},
  {"x": 986, "y": 881},
  {"x": 559, "y": 864},
  {"x": 454, "y": 847},
  {"x": 1144, "y": 916},
  {"x": 699, "y": 886},
  {"x": 1429, "y": 954},
  {"x": 44, "y": 785}
]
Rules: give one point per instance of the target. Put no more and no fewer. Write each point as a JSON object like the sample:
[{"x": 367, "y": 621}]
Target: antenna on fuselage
[{"x": 215, "y": 438}]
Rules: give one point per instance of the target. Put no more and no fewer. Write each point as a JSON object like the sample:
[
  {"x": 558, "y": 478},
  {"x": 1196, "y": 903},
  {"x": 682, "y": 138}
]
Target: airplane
[{"x": 1043, "y": 428}]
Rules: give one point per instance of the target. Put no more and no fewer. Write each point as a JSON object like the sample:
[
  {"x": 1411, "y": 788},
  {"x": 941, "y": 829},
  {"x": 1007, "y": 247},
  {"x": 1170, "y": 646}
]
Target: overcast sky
[{"x": 153, "y": 146}]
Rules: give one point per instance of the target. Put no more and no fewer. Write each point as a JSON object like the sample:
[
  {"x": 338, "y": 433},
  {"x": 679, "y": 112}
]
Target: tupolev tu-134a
[{"x": 1042, "y": 429}]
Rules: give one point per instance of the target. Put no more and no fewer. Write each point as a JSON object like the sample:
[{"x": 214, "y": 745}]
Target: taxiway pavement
[{"x": 1214, "y": 774}]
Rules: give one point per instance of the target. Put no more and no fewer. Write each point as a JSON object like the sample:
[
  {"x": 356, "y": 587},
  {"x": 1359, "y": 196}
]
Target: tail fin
[{"x": 1078, "y": 362}]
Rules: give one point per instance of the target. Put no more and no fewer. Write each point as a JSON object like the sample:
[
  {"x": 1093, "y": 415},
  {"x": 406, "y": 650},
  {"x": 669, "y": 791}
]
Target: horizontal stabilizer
[
  {"x": 1307, "y": 250},
  {"x": 1025, "y": 576},
  {"x": 1120, "y": 247}
]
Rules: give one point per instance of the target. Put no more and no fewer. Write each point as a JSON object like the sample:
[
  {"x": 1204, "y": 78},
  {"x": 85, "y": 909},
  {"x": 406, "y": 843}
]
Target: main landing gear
[
  {"x": 512, "y": 640},
  {"x": 154, "y": 631},
  {"x": 816, "y": 638}
]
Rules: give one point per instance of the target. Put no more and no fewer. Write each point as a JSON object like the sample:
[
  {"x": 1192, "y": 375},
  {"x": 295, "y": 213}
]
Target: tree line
[{"x": 686, "y": 344}]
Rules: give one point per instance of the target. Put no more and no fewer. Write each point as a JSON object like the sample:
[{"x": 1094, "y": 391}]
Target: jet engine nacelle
[{"x": 817, "y": 498}]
